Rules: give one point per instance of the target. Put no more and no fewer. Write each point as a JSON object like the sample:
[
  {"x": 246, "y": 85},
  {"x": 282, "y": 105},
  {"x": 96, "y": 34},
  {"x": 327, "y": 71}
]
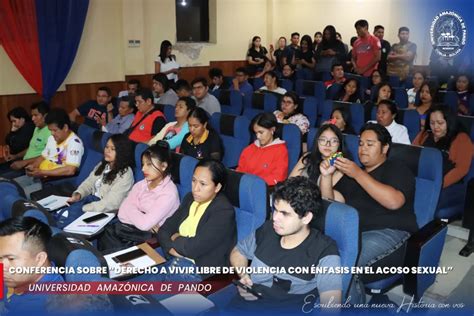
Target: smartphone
[
  {"x": 248, "y": 289},
  {"x": 129, "y": 256},
  {"x": 94, "y": 218}
]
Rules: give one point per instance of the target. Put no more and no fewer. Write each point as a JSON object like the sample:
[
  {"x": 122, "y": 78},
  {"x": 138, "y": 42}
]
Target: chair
[
  {"x": 257, "y": 83},
  {"x": 411, "y": 119},
  {"x": 451, "y": 99},
  {"x": 137, "y": 171},
  {"x": 235, "y": 135},
  {"x": 231, "y": 102},
  {"x": 182, "y": 169},
  {"x": 401, "y": 97},
  {"x": 394, "y": 81},
  {"x": 168, "y": 111},
  {"x": 307, "y": 88},
  {"x": 261, "y": 102},
  {"x": 10, "y": 193},
  {"x": 286, "y": 84},
  {"x": 291, "y": 134},
  {"x": 309, "y": 107},
  {"x": 333, "y": 91},
  {"x": 424, "y": 247}
]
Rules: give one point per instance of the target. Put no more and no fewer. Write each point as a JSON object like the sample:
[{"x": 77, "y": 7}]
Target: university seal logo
[{"x": 448, "y": 34}]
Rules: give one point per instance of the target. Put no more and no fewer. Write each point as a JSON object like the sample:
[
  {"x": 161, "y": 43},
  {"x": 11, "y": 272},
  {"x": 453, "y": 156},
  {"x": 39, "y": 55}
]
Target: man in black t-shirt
[
  {"x": 288, "y": 241},
  {"x": 379, "y": 32},
  {"x": 383, "y": 193},
  {"x": 94, "y": 111}
]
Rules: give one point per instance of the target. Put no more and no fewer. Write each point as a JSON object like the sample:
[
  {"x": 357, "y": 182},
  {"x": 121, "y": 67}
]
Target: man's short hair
[
  {"x": 41, "y": 106},
  {"x": 215, "y": 72},
  {"x": 190, "y": 103},
  {"x": 336, "y": 65},
  {"x": 134, "y": 81},
  {"x": 199, "y": 80},
  {"x": 129, "y": 99},
  {"x": 36, "y": 233},
  {"x": 403, "y": 29},
  {"x": 59, "y": 117},
  {"x": 382, "y": 133},
  {"x": 106, "y": 89},
  {"x": 295, "y": 34},
  {"x": 378, "y": 27},
  {"x": 301, "y": 193},
  {"x": 182, "y": 84},
  {"x": 242, "y": 70},
  {"x": 361, "y": 23},
  {"x": 162, "y": 79},
  {"x": 145, "y": 93}
]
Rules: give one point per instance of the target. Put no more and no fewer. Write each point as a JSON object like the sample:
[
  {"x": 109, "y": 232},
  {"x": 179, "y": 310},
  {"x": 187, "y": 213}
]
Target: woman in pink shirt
[{"x": 147, "y": 206}]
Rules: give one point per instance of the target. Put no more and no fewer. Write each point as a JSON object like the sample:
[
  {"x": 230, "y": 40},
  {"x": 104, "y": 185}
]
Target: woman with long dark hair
[
  {"x": 148, "y": 205},
  {"x": 256, "y": 55},
  {"x": 443, "y": 131},
  {"x": 166, "y": 62},
  {"x": 350, "y": 91},
  {"x": 107, "y": 185},
  {"x": 330, "y": 51},
  {"x": 304, "y": 58}
]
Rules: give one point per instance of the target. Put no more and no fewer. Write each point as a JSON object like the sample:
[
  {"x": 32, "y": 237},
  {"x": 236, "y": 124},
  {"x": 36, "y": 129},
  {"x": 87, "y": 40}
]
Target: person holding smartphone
[{"x": 288, "y": 240}]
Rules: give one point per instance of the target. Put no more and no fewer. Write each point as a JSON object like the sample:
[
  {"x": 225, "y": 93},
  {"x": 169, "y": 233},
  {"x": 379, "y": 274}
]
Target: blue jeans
[
  {"x": 377, "y": 244},
  {"x": 73, "y": 211}
]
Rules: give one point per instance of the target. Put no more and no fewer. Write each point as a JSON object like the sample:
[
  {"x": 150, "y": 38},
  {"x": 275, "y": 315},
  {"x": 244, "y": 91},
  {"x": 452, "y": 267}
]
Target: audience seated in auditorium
[
  {"x": 217, "y": 79},
  {"x": 240, "y": 83},
  {"x": 37, "y": 142},
  {"x": 166, "y": 62},
  {"x": 173, "y": 132},
  {"x": 349, "y": 92},
  {"x": 386, "y": 113},
  {"x": 337, "y": 73},
  {"x": 256, "y": 55},
  {"x": 23, "y": 242},
  {"x": 267, "y": 157},
  {"x": 202, "y": 232},
  {"x": 427, "y": 95},
  {"x": 289, "y": 112},
  {"x": 341, "y": 117},
  {"x": 278, "y": 56},
  {"x": 146, "y": 208},
  {"x": 328, "y": 141},
  {"x": 330, "y": 51},
  {"x": 402, "y": 54},
  {"x": 287, "y": 241},
  {"x": 293, "y": 48},
  {"x": 443, "y": 131},
  {"x": 163, "y": 92},
  {"x": 148, "y": 120},
  {"x": 382, "y": 192},
  {"x": 124, "y": 119},
  {"x": 366, "y": 50},
  {"x": 106, "y": 186},
  {"x": 132, "y": 87},
  {"x": 183, "y": 88},
  {"x": 464, "y": 93},
  {"x": 19, "y": 137},
  {"x": 379, "y": 32},
  {"x": 203, "y": 98},
  {"x": 271, "y": 83},
  {"x": 305, "y": 56},
  {"x": 61, "y": 157},
  {"x": 93, "y": 109},
  {"x": 418, "y": 79},
  {"x": 202, "y": 142}
]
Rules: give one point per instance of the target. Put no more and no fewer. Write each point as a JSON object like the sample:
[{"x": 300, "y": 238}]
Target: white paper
[
  {"x": 187, "y": 304},
  {"x": 140, "y": 262},
  {"x": 80, "y": 227},
  {"x": 54, "y": 202}
]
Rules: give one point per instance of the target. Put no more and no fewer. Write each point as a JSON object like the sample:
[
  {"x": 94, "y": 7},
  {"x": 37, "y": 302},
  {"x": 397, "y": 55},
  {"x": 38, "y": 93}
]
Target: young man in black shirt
[
  {"x": 379, "y": 32},
  {"x": 383, "y": 193},
  {"x": 288, "y": 241}
]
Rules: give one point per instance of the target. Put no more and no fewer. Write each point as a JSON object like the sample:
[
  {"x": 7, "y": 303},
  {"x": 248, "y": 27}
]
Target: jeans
[{"x": 377, "y": 244}]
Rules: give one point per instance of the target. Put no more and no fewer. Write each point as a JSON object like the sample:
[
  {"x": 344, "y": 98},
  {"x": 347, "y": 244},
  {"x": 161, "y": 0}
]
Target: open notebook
[{"x": 54, "y": 202}]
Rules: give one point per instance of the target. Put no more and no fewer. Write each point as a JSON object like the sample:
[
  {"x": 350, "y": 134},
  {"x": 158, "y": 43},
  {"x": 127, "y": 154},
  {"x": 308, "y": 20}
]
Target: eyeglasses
[{"x": 328, "y": 142}]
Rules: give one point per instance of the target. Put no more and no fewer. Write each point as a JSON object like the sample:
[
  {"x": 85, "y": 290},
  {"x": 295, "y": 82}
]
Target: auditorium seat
[
  {"x": 286, "y": 84},
  {"x": 235, "y": 135},
  {"x": 333, "y": 91},
  {"x": 182, "y": 170},
  {"x": 309, "y": 107},
  {"x": 168, "y": 111},
  {"x": 291, "y": 134},
  {"x": 259, "y": 103},
  {"x": 231, "y": 101},
  {"x": 400, "y": 97},
  {"x": 308, "y": 88}
]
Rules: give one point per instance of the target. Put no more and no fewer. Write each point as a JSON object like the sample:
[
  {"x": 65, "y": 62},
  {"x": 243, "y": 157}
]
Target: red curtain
[{"x": 19, "y": 37}]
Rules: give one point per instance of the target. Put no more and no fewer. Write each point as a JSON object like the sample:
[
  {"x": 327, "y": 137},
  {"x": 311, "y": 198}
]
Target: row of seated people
[{"x": 295, "y": 203}]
